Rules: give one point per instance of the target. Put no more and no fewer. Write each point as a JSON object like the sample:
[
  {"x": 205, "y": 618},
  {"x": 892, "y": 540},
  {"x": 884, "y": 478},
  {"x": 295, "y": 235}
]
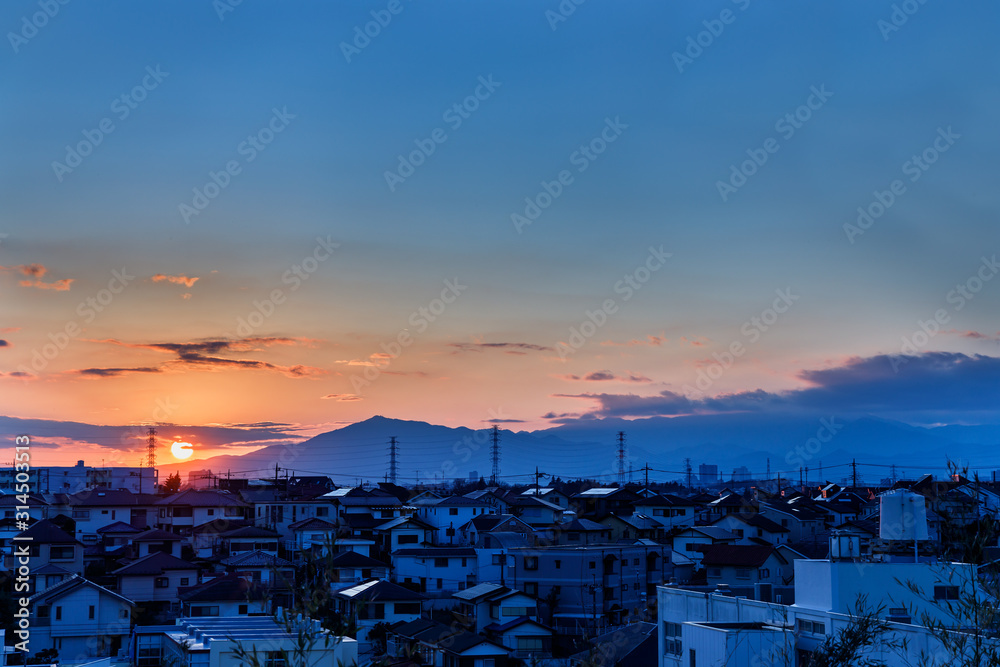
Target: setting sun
[{"x": 181, "y": 450}]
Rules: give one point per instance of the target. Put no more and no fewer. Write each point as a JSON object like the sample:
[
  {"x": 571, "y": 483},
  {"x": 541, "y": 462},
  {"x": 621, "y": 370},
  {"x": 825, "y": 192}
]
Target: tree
[
  {"x": 847, "y": 647},
  {"x": 173, "y": 483}
]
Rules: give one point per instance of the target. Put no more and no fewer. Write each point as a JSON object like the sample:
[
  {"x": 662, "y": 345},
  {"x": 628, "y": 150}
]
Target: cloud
[
  {"x": 6, "y": 330},
  {"x": 503, "y": 421},
  {"x": 974, "y": 335},
  {"x": 17, "y": 374},
  {"x": 343, "y": 397},
  {"x": 651, "y": 341},
  {"x": 930, "y": 386},
  {"x": 607, "y": 376},
  {"x": 4, "y": 343},
  {"x": 203, "y": 355},
  {"x": 187, "y": 281},
  {"x": 113, "y": 372},
  {"x": 508, "y": 348},
  {"x": 35, "y": 273}
]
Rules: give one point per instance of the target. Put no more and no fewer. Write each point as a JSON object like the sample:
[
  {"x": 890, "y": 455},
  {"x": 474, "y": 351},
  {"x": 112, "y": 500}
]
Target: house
[
  {"x": 752, "y": 528},
  {"x": 635, "y": 527},
  {"x": 154, "y": 541},
  {"x": 491, "y": 603},
  {"x": 536, "y": 512},
  {"x": 352, "y": 567},
  {"x": 181, "y": 512},
  {"x": 96, "y": 508},
  {"x": 634, "y": 644},
  {"x": 526, "y": 638},
  {"x": 377, "y": 601},
  {"x": 576, "y": 532},
  {"x": 313, "y": 533},
  {"x": 599, "y": 501},
  {"x": 669, "y": 510},
  {"x": 79, "y": 619},
  {"x": 205, "y": 538},
  {"x": 278, "y": 509},
  {"x": 730, "y": 503},
  {"x": 743, "y": 565},
  {"x": 427, "y": 642},
  {"x": 44, "y": 543},
  {"x": 549, "y": 495},
  {"x": 437, "y": 571},
  {"x": 803, "y": 521},
  {"x": 404, "y": 531},
  {"x": 691, "y": 541},
  {"x": 153, "y": 580},
  {"x": 248, "y": 538},
  {"x": 495, "y": 498},
  {"x": 116, "y": 534},
  {"x": 261, "y": 567},
  {"x": 226, "y": 595},
  {"x": 493, "y": 523},
  {"x": 212, "y": 642},
  {"x": 448, "y": 514}
]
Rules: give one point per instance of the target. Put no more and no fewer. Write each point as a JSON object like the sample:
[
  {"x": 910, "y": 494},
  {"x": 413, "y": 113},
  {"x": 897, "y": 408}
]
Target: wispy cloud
[
  {"x": 187, "y": 281},
  {"x": 508, "y": 348},
  {"x": 651, "y": 341},
  {"x": 343, "y": 397},
  {"x": 35, "y": 273},
  {"x": 607, "y": 376}
]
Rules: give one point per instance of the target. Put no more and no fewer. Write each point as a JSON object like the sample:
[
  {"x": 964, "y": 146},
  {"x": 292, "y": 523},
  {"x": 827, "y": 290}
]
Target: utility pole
[
  {"x": 854, "y": 472},
  {"x": 621, "y": 458},
  {"x": 495, "y": 456},
  {"x": 645, "y": 486},
  {"x": 537, "y": 475},
  {"x": 393, "y": 460},
  {"x": 687, "y": 471}
]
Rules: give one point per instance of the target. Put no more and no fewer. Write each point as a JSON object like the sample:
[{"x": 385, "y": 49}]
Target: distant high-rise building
[
  {"x": 708, "y": 473},
  {"x": 741, "y": 474}
]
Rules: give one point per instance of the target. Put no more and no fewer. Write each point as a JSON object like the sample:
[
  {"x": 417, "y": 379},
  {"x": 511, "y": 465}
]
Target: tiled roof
[
  {"x": 354, "y": 559},
  {"x": 203, "y": 498},
  {"x": 256, "y": 558},
  {"x": 378, "y": 589},
  {"x": 739, "y": 555},
  {"x": 312, "y": 523},
  {"x": 47, "y": 532},
  {"x": 154, "y": 563},
  {"x": 156, "y": 535},
  {"x": 437, "y": 552},
  {"x": 249, "y": 531},
  {"x": 227, "y": 588},
  {"x": 118, "y": 527}
]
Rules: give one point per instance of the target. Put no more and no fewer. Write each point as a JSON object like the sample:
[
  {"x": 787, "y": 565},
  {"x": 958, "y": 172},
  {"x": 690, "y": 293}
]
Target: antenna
[
  {"x": 495, "y": 456},
  {"x": 393, "y": 458},
  {"x": 621, "y": 458},
  {"x": 151, "y": 448}
]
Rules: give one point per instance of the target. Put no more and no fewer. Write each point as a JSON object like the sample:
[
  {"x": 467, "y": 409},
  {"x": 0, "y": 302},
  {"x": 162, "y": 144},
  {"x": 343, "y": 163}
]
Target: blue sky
[{"x": 324, "y": 176}]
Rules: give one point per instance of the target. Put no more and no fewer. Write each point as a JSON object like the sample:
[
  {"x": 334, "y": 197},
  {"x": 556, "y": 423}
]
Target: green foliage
[{"x": 173, "y": 483}]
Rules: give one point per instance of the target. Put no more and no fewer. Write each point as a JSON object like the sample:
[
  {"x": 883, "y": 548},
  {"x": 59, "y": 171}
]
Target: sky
[{"x": 254, "y": 222}]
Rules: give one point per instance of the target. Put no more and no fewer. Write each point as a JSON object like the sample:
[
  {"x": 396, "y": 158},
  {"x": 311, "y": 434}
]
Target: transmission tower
[
  {"x": 688, "y": 471},
  {"x": 151, "y": 448},
  {"x": 495, "y": 456},
  {"x": 393, "y": 458},
  {"x": 621, "y": 458}
]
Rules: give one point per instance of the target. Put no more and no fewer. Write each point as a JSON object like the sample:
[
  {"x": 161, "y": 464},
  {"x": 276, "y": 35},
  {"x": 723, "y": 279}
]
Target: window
[
  {"x": 529, "y": 644},
  {"x": 440, "y": 562},
  {"x": 149, "y": 652},
  {"x": 211, "y": 512},
  {"x": 464, "y": 562},
  {"x": 62, "y": 553},
  {"x": 453, "y": 511},
  {"x": 531, "y": 562},
  {"x": 275, "y": 659},
  {"x": 763, "y": 573},
  {"x": 81, "y": 514},
  {"x": 406, "y": 539},
  {"x": 635, "y": 561},
  {"x": 162, "y": 582},
  {"x": 407, "y": 608},
  {"x": 498, "y": 559},
  {"x": 558, "y": 564},
  {"x": 322, "y": 511},
  {"x": 90, "y": 612},
  {"x": 946, "y": 592},
  {"x": 43, "y": 611},
  {"x": 374, "y": 610},
  {"x": 624, "y": 587},
  {"x": 531, "y": 588},
  {"x": 243, "y": 610},
  {"x": 123, "y": 613},
  {"x": 742, "y": 573},
  {"x": 185, "y": 581},
  {"x": 58, "y": 613},
  {"x": 440, "y": 584},
  {"x": 449, "y": 532},
  {"x": 205, "y": 610},
  {"x": 812, "y": 627},
  {"x": 672, "y": 638},
  {"x": 593, "y": 565},
  {"x": 715, "y": 571}
]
